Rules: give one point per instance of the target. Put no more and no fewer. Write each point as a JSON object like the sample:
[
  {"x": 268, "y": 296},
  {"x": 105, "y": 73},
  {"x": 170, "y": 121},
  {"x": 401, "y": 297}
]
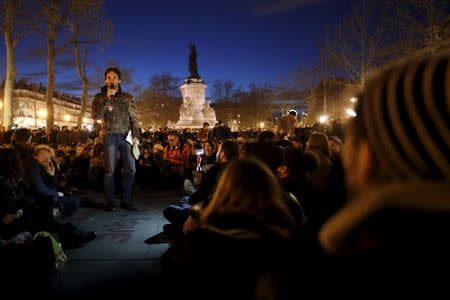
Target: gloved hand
[{"x": 135, "y": 141}]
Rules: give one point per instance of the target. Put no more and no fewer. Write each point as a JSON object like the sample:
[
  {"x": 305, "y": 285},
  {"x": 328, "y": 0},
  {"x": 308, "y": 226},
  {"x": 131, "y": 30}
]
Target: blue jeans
[
  {"x": 115, "y": 143},
  {"x": 178, "y": 214}
]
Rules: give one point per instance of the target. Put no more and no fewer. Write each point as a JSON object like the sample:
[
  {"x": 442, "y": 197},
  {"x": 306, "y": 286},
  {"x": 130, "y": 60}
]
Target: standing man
[
  {"x": 286, "y": 124},
  {"x": 117, "y": 112}
]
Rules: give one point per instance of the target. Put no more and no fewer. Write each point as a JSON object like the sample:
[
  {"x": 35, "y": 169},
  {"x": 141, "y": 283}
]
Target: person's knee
[{"x": 175, "y": 214}]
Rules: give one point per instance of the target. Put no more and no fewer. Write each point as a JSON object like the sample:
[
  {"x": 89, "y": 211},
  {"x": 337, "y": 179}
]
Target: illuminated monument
[{"x": 195, "y": 110}]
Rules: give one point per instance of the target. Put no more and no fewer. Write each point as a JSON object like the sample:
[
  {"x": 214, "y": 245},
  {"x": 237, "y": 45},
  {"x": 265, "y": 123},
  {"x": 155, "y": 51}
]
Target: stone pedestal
[{"x": 195, "y": 110}]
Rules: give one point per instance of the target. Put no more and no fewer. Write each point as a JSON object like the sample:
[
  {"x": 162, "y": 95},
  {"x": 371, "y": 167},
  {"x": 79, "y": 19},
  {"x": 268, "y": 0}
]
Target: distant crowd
[{"x": 270, "y": 215}]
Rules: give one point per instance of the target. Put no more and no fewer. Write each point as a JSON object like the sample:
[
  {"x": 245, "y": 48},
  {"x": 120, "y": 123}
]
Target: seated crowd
[{"x": 269, "y": 217}]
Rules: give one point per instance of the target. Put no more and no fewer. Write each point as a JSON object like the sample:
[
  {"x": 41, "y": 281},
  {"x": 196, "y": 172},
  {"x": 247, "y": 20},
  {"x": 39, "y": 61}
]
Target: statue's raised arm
[{"x": 193, "y": 62}]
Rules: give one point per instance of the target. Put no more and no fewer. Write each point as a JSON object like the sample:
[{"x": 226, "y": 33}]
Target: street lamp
[
  {"x": 323, "y": 119},
  {"x": 42, "y": 114},
  {"x": 350, "y": 112}
]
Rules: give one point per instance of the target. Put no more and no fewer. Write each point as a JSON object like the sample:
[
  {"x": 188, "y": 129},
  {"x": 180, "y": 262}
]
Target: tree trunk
[
  {"x": 84, "y": 95},
  {"x": 10, "y": 65},
  {"x": 82, "y": 75},
  {"x": 51, "y": 75}
]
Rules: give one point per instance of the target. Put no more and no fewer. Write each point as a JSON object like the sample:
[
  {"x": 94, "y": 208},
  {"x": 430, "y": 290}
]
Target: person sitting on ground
[
  {"x": 245, "y": 230},
  {"x": 178, "y": 214},
  {"x": 176, "y": 154},
  {"x": 41, "y": 176},
  {"x": 392, "y": 235},
  {"x": 21, "y": 213},
  {"x": 20, "y": 141}
]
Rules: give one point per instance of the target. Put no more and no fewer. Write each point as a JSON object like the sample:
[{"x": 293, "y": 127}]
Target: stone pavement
[{"x": 117, "y": 261}]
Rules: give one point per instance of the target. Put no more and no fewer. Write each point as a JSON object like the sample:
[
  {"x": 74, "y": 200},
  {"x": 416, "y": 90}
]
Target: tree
[
  {"x": 359, "y": 44},
  {"x": 422, "y": 26},
  {"x": 55, "y": 14},
  {"x": 160, "y": 101},
  {"x": 164, "y": 85},
  {"x": 255, "y": 105},
  {"x": 12, "y": 11},
  {"x": 87, "y": 27},
  {"x": 223, "y": 90}
]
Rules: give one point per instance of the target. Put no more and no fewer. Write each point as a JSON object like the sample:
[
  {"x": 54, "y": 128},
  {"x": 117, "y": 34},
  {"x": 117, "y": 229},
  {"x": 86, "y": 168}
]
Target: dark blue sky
[{"x": 241, "y": 40}]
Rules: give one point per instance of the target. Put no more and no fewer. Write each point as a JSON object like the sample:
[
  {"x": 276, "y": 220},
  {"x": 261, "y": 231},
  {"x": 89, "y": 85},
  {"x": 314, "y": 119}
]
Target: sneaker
[
  {"x": 128, "y": 206},
  {"x": 110, "y": 207},
  {"x": 189, "y": 187},
  {"x": 71, "y": 237}
]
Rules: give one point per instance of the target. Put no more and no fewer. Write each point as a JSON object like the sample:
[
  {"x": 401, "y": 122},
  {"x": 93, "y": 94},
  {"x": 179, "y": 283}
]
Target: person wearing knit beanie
[{"x": 396, "y": 157}]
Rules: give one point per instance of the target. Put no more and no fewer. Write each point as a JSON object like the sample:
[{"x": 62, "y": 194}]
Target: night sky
[{"x": 240, "y": 40}]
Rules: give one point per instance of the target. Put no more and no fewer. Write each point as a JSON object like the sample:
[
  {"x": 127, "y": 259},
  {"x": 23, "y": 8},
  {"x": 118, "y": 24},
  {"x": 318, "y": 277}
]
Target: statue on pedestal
[{"x": 193, "y": 62}]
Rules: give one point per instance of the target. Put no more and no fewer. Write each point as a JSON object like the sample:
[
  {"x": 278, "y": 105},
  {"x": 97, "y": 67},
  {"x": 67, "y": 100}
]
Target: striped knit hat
[{"x": 405, "y": 113}]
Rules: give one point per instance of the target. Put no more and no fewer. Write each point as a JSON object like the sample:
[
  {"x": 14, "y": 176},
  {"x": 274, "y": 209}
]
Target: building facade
[{"x": 29, "y": 110}]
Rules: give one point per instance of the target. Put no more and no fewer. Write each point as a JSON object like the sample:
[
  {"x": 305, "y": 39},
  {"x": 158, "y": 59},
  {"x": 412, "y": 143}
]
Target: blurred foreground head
[{"x": 401, "y": 130}]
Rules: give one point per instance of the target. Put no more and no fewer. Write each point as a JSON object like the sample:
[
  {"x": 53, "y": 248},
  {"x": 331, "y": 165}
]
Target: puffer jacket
[{"x": 121, "y": 118}]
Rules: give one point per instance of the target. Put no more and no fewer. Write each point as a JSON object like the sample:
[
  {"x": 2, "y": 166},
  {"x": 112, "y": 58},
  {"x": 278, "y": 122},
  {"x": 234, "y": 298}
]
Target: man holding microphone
[{"x": 117, "y": 112}]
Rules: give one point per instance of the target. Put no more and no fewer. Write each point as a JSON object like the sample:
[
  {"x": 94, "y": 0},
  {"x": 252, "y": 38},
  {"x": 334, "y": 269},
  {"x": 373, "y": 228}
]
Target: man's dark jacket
[{"x": 118, "y": 114}]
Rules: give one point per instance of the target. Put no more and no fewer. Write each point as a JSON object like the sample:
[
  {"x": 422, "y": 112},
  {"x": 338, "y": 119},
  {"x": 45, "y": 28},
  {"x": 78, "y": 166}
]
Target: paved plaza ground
[{"x": 117, "y": 261}]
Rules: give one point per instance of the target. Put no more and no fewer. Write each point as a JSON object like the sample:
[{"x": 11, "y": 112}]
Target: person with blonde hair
[{"x": 318, "y": 145}]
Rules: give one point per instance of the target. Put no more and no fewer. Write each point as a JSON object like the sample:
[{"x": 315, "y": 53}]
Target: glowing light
[
  {"x": 42, "y": 114},
  {"x": 99, "y": 121},
  {"x": 323, "y": 119},
  {"x": 85, "y": 120},
  {"x": 350, "y": 112},
  {"x": 1, "y": 105},
  {"x": 66, "y": 118},
  {"x": 353, "y": 99},
  {"x": 261, "y": 125}
]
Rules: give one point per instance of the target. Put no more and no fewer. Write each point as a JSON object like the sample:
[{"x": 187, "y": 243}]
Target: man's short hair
[
  {"x": 21, "y": 135},
  {"x": 265, "y": 136},
  {"x": 292, "y": 112},
  {"x": 173, "y": 133},
  {"x": 115, "y": 70},
  {"x": 230, "y": 149}
]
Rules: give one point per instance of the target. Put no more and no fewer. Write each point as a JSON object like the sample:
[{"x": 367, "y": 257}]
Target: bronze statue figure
[{"x": 193, "y": 62}]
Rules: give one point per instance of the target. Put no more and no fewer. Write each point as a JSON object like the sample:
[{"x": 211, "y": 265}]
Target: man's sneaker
[
  {"x": 128, "y": 206},
  {"x": 189, "y": 187},
  {"x": 110, "y": 207},
  {"x": 72, "y": 237}
]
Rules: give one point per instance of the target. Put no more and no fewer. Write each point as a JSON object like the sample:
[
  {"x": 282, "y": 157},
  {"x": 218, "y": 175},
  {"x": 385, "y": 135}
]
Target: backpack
[{"x": 60, "y": 257}]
